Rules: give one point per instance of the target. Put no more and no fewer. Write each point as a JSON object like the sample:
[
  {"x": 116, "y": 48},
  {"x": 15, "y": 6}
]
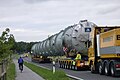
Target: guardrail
[{"x": 3, "y": 69}]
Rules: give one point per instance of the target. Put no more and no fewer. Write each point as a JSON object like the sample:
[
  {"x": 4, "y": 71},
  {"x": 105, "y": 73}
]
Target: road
[{"x": 83, "y": 75}]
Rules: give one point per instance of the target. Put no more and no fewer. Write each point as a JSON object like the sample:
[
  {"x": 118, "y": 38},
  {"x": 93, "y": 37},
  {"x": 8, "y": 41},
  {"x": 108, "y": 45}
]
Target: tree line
[{"x": 23, "y": 47}]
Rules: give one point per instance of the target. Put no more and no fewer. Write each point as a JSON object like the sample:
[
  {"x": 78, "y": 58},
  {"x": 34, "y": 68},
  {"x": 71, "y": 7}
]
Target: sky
[{"x": 35, "y": 20}]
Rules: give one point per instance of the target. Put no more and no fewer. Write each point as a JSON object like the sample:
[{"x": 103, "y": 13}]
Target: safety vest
[{"x": 78, "y": 56}]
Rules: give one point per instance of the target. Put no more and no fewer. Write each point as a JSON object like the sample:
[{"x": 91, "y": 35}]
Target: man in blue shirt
[{"x": 20, "y": 61}]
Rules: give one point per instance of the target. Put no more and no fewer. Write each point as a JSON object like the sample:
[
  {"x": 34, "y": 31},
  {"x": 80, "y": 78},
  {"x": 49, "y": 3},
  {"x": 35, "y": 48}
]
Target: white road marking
[{"x": 74, "y": 77}]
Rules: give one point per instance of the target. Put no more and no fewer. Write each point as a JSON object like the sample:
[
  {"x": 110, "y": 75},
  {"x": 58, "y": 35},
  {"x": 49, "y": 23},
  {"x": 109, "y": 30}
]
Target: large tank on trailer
[
  {"x": 39, "y": 53},
  {"x": 73, "y": 37},
  {"x": 59, "y": 43}
]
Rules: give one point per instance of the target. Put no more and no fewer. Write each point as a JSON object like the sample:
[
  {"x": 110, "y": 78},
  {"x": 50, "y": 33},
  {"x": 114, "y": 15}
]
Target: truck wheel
[
  {"x": 112, "y": 69},
  {"x": 107, "y": 69},
  {"x": 91, "y": 68},
  {"x": 101, "y": 70}
]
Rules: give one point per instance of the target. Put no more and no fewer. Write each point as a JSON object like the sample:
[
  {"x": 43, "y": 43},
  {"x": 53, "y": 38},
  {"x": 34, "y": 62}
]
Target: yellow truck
[{"x": 104, "y": 52}]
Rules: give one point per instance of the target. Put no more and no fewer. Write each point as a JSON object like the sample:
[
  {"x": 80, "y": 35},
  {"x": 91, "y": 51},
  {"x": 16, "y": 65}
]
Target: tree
[{"x": 7, "y": 42}]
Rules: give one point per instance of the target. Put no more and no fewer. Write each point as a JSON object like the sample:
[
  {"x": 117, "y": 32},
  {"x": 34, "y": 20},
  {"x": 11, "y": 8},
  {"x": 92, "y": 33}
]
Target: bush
[{"x": 11, "y": 71}]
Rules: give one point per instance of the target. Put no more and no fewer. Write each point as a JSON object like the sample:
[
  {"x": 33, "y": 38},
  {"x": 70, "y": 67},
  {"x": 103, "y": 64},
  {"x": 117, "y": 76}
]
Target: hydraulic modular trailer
[{"x": 104, "y": 52}]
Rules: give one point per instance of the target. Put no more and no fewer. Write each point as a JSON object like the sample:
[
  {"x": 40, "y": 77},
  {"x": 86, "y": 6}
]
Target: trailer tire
[
  {"x": 70, "y": 66},
  {"x": 64, "y": 65},
  {"x": 60, "y": 65},
  {"x": 77, "y": 68}
]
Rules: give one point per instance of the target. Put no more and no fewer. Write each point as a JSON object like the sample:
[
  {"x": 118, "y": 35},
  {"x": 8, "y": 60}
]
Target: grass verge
[
  {"x": 47, "y": 74},
  {"x": 11, "y": 71}
]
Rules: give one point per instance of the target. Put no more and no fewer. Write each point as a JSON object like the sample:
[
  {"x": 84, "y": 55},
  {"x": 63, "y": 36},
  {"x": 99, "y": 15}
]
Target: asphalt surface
[{"x": 82, "y": 75}]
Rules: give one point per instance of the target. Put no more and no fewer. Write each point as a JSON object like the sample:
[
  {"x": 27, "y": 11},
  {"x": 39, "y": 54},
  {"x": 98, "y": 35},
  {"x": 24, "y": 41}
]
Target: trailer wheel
[
  {"x": 60, "y": 65},
  {"x": 73, "y": 67},
  {"x": 32, "y": 60},
  {"x": 76, "y": 68},
  {"x": 70, "y": 66},
  {"x": 64, "y": 65}
]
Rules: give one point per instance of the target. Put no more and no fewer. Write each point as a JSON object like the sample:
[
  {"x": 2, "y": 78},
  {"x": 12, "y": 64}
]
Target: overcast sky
[{"x": 34, "y": 20}]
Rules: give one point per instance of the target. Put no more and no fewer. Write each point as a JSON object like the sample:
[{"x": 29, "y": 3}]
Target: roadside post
[{"x": 53, "y": 66}]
